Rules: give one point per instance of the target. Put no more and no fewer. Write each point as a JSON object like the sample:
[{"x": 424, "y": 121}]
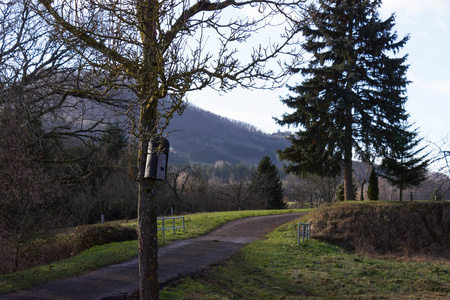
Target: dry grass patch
[{"x": 409, "y": 230}]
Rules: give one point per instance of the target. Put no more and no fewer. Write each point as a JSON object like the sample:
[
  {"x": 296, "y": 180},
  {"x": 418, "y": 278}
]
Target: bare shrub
[{"x": 29, "y": 203}]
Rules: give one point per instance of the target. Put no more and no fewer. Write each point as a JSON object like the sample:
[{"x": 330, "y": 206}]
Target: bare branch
[{"x": 87, "y": 39}]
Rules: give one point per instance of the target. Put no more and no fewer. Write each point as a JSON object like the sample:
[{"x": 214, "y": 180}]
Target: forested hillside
[{"x": 199, "y": 136}]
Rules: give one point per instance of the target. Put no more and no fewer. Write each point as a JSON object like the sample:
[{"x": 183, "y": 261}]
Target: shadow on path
[{"x": 176, "y": 260}]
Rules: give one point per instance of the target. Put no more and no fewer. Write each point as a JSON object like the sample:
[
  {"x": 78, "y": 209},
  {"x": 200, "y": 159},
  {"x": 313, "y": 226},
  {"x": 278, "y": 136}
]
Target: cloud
[{"x": 413, "y": 8}]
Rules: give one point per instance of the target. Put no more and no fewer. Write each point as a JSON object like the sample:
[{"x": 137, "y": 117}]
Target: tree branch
[{"x": 89, "y": 41}]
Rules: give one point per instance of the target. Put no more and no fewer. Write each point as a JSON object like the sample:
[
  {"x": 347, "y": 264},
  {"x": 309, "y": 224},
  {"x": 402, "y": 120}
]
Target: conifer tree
[
  {"x": 352, "y": 99},
  {"x": 403, "y": 166},
  {"x": 267, "y": 185},
  {"x": 340, "y": 192},
  {"x": 372, "y": 190},
  {"x": 437, "y": 195}
]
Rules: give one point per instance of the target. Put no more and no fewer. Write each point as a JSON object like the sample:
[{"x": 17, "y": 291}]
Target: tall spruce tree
[
  {"x": 267, "y": 185},
  {"x": 403, "y": 166},
  {"x": 352, "y": 98}
]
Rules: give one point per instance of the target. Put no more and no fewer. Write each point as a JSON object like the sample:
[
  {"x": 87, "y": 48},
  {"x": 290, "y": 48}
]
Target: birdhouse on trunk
[{"x": 157, "y": 159}]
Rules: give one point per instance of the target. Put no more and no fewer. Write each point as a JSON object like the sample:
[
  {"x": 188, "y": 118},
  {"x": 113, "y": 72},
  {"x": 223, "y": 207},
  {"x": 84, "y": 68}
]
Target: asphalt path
[{"x": 176, "y": 260}]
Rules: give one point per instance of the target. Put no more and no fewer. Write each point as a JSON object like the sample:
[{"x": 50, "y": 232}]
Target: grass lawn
[
  {"x": 278, "y": 268},
  {"x": 101, "y": 256}
]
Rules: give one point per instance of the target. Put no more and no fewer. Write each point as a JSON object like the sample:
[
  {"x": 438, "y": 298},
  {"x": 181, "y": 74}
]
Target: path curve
[{"x": 176, "y": 260}]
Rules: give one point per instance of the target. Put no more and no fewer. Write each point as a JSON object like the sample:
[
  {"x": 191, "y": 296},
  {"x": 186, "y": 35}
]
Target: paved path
[{"x": 176, "y": 260}]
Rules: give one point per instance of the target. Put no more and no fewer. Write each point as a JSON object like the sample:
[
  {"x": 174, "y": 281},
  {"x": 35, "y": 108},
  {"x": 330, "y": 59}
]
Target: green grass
[
  {"x": 88, "y": 260},
  {"x": 101, "y": 256},
  {"x": 278, "y": 268}
]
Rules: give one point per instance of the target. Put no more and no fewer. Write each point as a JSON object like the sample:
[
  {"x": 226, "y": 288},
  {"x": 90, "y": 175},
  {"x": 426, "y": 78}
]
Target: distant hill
[{"x": 199, "y": 136}]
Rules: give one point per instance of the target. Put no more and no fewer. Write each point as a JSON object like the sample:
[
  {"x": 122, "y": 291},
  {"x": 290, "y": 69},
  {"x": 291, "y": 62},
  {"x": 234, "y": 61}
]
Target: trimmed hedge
[
  {"x": 50, "y": 248},
  {"x": 85, "y": 237}
]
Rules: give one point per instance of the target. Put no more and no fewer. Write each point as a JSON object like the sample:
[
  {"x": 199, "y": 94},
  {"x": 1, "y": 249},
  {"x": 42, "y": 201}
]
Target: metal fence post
[
  {"x": 174, "y": 227},
  {"x": 304, "y": 230}
]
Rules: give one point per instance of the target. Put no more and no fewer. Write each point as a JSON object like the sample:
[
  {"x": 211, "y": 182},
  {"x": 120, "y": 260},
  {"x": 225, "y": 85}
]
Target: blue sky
[{"x": 427, "y": 23}]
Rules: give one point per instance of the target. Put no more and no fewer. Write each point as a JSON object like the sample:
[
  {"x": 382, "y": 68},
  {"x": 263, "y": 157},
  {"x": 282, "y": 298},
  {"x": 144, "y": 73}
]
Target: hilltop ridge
[{"x": 199, "y": 136}]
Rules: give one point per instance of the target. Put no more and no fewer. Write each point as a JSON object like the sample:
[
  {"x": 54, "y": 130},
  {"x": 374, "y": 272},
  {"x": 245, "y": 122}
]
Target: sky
[{"x": 427, "y": 23}]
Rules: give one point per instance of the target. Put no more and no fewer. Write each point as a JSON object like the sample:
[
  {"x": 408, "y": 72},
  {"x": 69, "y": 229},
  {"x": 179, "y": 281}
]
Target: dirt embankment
[{"x": 407, "y": 229}]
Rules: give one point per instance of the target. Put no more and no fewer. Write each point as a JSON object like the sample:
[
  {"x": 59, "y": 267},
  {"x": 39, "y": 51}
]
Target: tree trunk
[
  {"x": 348, "y": 184},
  {"x": 147, "y": 219},
  {"x": 348, "y": 167},
  {"x": 150, "y": 91},
  {"x": 147, "y": 229},
  {"x": 348, "y": 133},
  {"x": 362, "y": 190},
  {"x": 401, "y": 194}
]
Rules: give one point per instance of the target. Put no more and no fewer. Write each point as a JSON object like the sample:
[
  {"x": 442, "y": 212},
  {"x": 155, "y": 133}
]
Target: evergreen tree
[
  {"x": 114, "y": 140},
  {"x": 402, "y": 166},
  {"x": 352, "y": 97},
  {"x": 372, "y": 190},
  {"x": 437, "y": 195},
  {"x": 340, "y": 192},
  {"x": 267, "y": 185}
]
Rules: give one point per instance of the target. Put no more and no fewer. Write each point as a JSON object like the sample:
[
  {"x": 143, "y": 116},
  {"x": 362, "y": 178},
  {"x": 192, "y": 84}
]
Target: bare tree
[
  {"x": 323, "y": 187},
  {"x": 47, "y": 109},
  {"x": 28, "y": 197},
  {"x": 176, "y": 182},
  {"x": 310, "y": 191},
  {"x": 44, "y": 83},
  {"x": 239, "y": 192},
  {"x": 159, "y": 48},
  {"x": 440, "y": 151},
  {"x": 82, "y": 203},
  {"x": 28, "y": 194},
  {"x": 198, "y": 189},
  {"x": 361, "y": 174},
  {"x": 120, "y": 191},
  {"x": 292, "y": 190}
]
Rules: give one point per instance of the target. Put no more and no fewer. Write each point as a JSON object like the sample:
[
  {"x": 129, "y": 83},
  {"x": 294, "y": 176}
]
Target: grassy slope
[
  {"x": 278, "y": 268},
  {"x": 419, "y": 228},
  {"x": 100, "y": 256}
]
